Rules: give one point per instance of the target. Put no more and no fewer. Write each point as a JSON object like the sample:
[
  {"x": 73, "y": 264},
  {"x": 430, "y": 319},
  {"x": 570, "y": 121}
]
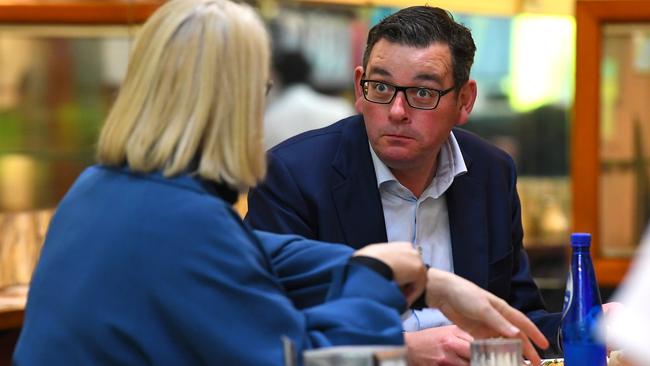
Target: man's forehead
[
  {"x": 385, "y": 47},
  {"x": 401, "y": 43},
  {"x": 431, "y": 62}
]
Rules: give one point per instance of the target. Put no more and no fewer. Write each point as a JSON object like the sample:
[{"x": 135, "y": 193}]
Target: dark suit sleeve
[
  {"x": 525, "y": 295},
  {"x": 277, "y": 205}
]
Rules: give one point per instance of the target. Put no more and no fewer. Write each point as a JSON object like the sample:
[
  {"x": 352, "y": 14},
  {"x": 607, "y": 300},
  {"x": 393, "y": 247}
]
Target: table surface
[{"x": 12, "y": 306}]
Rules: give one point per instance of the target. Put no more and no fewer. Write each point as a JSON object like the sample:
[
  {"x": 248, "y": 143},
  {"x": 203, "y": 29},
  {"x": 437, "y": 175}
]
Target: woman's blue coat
[{"x": 141, "y": 269}]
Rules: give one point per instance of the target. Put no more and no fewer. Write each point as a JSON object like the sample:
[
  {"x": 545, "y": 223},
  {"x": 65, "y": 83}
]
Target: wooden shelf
[
  {"x": 11, "y": 319},
  {"x": 12, "y": 307},
  {"x": 137, "y": 11},
  {"x": 77, "y": 11}
]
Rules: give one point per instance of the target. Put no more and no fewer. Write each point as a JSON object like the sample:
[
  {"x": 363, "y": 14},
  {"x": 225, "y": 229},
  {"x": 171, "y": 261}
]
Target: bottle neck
[
  {"x": 584, "y": 277},
  {"x": 581, "y": 250}
]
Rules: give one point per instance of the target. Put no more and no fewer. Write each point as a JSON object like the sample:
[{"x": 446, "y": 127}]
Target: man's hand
[
  {"x": 480, "y": 313},
  {"x": 609, "y": 310},
  {"x": 442, "y": 346},
  {"x": 406, "y": 263}
]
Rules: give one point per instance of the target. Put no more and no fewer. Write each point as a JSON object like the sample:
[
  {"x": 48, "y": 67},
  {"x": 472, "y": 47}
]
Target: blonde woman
[{"x": 145, "y": 261}]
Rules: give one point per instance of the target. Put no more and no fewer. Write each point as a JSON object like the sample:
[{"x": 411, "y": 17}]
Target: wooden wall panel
[{"x": 585, "y": 161}]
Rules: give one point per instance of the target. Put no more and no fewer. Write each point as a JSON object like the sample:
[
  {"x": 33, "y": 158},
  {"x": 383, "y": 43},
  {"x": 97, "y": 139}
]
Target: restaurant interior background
[{"x": 59, "y": 74}]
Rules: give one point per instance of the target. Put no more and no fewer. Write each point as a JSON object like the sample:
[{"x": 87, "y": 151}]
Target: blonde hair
[{"x": 193, "y": 97}]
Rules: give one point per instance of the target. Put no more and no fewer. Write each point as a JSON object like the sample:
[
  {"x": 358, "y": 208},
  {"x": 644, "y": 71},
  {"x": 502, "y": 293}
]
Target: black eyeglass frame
[{"x": 403, "y": 89}]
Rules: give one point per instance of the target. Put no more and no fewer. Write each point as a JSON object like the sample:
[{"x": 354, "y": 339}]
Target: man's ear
[
  {"x": 358, "y": 93},
  {"x": 466, "y": 99}
]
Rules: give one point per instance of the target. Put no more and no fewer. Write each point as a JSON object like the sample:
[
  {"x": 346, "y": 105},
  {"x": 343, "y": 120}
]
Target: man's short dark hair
[
  {"x": 292, "y": 67},
  {"x": 421, "y": 26}
]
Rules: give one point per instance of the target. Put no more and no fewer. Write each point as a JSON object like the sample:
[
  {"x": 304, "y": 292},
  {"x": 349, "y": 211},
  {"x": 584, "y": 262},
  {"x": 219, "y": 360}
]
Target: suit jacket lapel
[
  {"x": 468, "y": 227},
  {"x": 355, "y": 194}
]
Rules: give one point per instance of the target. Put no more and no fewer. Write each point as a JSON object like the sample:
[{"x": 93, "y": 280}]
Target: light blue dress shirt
[{"x": 423, "y": 220}]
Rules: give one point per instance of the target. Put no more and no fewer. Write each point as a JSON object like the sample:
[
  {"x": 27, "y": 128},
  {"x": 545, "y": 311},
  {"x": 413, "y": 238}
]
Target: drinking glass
[{"x": 496, "y": 352}]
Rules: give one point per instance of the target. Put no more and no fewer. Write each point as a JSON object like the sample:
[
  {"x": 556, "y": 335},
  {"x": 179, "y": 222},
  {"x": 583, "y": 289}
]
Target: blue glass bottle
[{"x": 580, "y": 341}]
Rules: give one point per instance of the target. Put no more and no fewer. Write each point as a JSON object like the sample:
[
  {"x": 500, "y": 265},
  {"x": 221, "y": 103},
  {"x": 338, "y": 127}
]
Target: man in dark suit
[{"x": 401, "y": 171}]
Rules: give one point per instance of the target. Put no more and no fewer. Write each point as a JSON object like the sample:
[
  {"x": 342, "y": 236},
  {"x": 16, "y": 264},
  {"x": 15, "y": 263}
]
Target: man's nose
[{"x": 398, "y": 107}]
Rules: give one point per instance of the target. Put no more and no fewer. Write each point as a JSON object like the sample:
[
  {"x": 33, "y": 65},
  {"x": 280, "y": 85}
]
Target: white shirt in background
[{"x": 299, "y": 108}]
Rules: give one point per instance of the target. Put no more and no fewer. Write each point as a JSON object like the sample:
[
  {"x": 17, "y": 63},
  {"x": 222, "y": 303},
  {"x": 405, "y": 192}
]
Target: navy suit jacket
[{"x": 322, "y": 185}]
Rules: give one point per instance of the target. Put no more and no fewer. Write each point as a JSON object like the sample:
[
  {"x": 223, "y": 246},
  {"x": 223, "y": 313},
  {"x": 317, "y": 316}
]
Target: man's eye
[
  {"x": 424, "y": 93},
  {"x": 381, "y": 87}
]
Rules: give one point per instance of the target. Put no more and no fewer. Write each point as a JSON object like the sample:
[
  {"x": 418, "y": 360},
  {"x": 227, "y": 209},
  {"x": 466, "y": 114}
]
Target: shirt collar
[{"x": 450, "y": 165}]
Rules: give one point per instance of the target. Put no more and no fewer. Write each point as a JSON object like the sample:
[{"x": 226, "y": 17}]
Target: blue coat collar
[{"x": 186, "y": 180}]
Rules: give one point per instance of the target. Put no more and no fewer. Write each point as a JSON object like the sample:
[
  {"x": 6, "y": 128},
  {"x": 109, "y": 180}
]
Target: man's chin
[{"x": 396, "y": 158}]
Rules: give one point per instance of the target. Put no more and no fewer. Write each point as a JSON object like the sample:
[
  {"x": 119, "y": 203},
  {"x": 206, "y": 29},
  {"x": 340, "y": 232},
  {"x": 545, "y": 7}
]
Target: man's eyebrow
[
  {"x": 429, "y": 77},
  {"x": 378, "y": 71}
]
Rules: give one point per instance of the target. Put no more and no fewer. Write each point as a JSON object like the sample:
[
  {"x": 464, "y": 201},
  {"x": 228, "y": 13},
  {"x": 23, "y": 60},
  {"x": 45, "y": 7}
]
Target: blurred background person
[{"x": 296, "y": 107}]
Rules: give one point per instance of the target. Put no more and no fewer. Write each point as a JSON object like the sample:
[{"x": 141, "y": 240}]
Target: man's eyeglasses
[{"x": 417, "y": 97}]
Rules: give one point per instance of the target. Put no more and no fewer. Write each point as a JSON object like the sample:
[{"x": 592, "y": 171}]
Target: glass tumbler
[{"x": 496, "y": 352}]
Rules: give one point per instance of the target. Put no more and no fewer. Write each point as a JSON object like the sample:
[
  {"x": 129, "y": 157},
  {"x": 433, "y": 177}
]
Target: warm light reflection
[
  {"x": 17, "y": 175},
  {"x": 542, "y": 58},
  {"x": 13, "y": 69}
]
